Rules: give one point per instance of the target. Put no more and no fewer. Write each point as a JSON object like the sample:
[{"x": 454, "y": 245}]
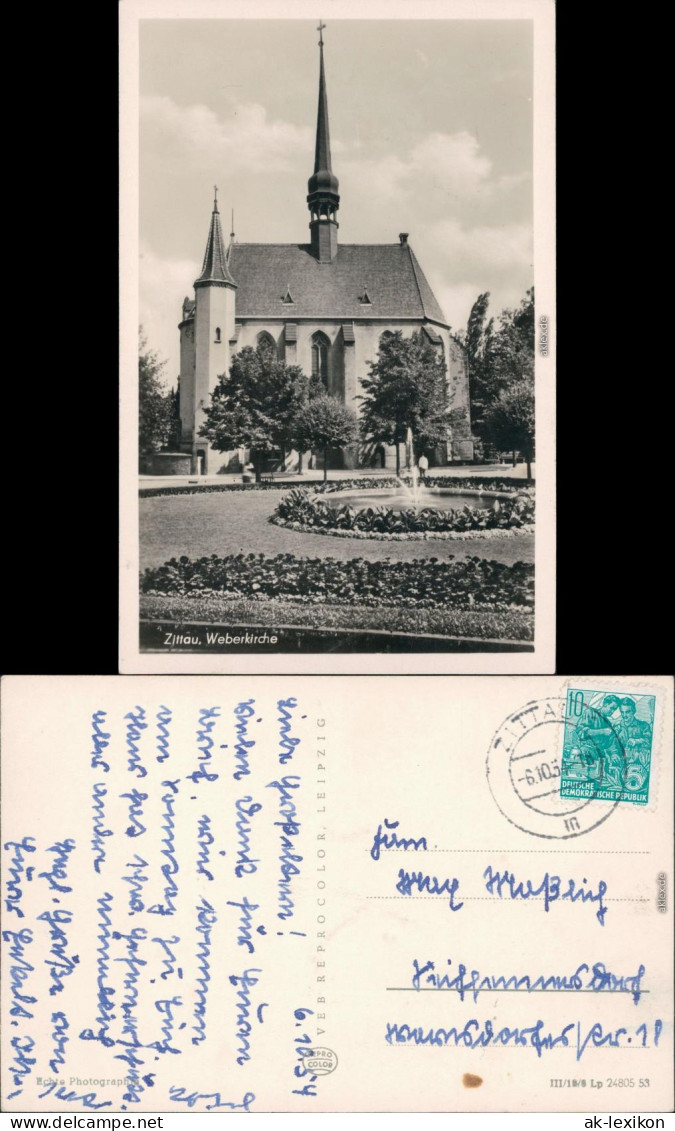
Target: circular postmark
[
  {"x": 524, "y": 766},
  {"x": 320, "y": 1061}
]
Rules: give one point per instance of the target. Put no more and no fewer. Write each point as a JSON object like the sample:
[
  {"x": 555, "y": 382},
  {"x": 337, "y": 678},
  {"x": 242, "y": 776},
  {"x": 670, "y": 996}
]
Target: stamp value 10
[{"x": 607, "y": 746}]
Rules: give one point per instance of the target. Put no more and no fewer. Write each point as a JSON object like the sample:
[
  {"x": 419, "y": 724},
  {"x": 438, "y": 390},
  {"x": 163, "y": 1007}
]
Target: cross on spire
[
  {"x": 215, "y": 198},
  {"x": 320, "y": 30}
]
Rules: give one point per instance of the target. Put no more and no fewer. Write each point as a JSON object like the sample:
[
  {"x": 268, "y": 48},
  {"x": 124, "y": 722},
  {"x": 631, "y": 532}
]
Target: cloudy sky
[{"x": 431, "y": 134}]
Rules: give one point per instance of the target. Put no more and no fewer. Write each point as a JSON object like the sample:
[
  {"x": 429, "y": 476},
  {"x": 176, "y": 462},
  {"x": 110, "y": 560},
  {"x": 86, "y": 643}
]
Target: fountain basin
[{"x": 401, "y": 499}]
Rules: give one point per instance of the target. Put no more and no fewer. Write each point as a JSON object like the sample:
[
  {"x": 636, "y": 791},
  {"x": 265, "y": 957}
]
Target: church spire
[
  {"x": 322, "y": 151},
  {"x": 323, "y": 199},
  {"x": 215, "y": 271}
]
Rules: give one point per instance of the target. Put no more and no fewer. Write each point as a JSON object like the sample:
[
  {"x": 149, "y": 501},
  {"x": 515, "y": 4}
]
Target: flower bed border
[
  {"x": 411, "y": 536},
  {"x": 482, "y": 484},
  {"x": 449, "y": 643},
  {"x": 478, "y": 624},
  {"x": 486, "y": 484}
]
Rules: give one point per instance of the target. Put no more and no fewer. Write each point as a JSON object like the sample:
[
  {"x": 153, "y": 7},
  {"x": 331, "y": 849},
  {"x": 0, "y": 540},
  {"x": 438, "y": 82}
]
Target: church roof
[{"x": 387, "y": 276}]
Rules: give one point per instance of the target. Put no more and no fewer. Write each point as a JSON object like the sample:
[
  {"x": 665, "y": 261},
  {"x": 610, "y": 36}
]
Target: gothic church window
[
  {"x": 265, "y": 343},
  {"x": 320, "y": 347}
]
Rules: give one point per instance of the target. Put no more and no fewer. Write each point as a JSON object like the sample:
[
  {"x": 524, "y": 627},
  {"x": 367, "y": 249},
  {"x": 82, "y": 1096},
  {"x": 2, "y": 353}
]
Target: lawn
[
  {"x": 237, "y": 522},
  {"x": 231, "y": 523}
]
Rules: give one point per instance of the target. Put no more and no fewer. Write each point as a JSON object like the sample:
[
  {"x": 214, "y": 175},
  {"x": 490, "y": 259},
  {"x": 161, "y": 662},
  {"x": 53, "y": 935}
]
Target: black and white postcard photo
[{"x": 338, "y": 320}]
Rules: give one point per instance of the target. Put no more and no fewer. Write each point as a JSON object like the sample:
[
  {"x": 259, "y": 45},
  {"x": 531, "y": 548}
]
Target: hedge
[{"x": 216, "y": 488}]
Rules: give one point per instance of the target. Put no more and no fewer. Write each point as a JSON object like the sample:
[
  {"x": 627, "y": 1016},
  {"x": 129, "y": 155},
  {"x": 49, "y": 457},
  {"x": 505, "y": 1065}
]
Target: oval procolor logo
[{"x": 320, "y": 1061}]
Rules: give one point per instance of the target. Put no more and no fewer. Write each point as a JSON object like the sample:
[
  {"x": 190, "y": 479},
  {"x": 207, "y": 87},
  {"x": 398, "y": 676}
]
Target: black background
[{"x": 616, "y": 443}]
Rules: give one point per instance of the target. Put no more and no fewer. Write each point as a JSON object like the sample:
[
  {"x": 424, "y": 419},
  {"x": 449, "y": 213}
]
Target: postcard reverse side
[{"x": 314, "y": 895}]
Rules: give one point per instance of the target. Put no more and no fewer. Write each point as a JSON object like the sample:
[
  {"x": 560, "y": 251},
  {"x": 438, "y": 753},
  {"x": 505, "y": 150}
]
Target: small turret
[{"x": 215, "y": 272}]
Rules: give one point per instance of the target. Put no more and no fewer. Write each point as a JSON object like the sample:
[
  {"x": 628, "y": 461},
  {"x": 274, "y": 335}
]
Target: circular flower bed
[{"x": 300, "y": 510}]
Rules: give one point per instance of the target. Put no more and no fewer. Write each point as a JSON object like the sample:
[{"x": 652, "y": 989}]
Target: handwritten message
[{"x": 149, "y": 929}]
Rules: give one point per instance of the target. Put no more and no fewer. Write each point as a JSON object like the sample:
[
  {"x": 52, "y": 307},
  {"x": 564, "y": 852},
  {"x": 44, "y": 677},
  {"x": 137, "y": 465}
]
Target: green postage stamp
[{"x": 607, "y": 746}]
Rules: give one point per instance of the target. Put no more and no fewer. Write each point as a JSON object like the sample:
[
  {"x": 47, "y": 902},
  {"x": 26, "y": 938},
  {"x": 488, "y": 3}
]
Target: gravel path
[{"x": 231, "y": 523}]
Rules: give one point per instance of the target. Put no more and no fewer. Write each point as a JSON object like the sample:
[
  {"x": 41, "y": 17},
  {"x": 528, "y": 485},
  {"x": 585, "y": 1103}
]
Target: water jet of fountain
[
  {"x": 409, "y": 450},
  {"x": 415, "y": 473},
  {"x": 414, "y": 491}
]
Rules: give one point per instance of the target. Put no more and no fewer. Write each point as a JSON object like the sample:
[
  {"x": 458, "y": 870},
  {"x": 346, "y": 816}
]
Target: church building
[{"x": 322, "y": 305}]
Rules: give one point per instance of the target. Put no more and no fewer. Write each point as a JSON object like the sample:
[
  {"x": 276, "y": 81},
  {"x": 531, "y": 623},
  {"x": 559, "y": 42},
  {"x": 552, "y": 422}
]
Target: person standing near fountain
[{"x": 423, "y": 465}]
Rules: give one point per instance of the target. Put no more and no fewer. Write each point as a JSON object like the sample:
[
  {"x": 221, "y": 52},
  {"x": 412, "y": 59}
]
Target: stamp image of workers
[{"x": 607, "y": 746}]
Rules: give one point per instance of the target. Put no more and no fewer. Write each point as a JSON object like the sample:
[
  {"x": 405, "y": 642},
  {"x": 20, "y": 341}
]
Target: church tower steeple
[
  {"x": 215, "y": 272},
  {"x": 323, "y": 199},
  {"x": 215, "y": 301}
]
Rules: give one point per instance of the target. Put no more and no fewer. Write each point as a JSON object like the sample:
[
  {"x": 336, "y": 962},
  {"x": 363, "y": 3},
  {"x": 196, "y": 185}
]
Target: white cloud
[
  {"x": 451, "y": 161},
  {"x": 439, "y": 166},
  {"x": 369, "y": 183},
  {"x": 513, "y": 180},
  {"x": 247, "y": 140},
  {"x": 163, "y": 285},
  {"x": 472, "y": 250},
  {"x": 462, "y": 261}
]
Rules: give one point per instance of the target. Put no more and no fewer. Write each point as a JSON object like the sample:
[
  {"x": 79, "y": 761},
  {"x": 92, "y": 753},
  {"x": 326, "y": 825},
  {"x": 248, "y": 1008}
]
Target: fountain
[{"x": 414, "y": 496}]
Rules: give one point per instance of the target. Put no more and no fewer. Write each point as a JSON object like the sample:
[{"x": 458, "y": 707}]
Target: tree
[
  {"x": 497, "y": 356},
  {"x": 406, "y": 390},
  {"x": 510, "y": 420},
  {"x": 509, "y": 351},
  {"x": 155, "y": 403},
  {"x": 256, "y": 405},
  {"x": 176, "y": 428},
  {"x": 325, "y": 423},
  {"x": 475, "y": 341}
]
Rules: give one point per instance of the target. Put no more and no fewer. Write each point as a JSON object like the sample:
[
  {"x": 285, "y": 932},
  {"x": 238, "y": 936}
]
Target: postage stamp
[{"x": 607, "y": 745}]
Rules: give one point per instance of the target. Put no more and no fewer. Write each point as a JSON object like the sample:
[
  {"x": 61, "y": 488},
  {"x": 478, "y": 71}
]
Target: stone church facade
[{"x": 321, "y": 305}]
